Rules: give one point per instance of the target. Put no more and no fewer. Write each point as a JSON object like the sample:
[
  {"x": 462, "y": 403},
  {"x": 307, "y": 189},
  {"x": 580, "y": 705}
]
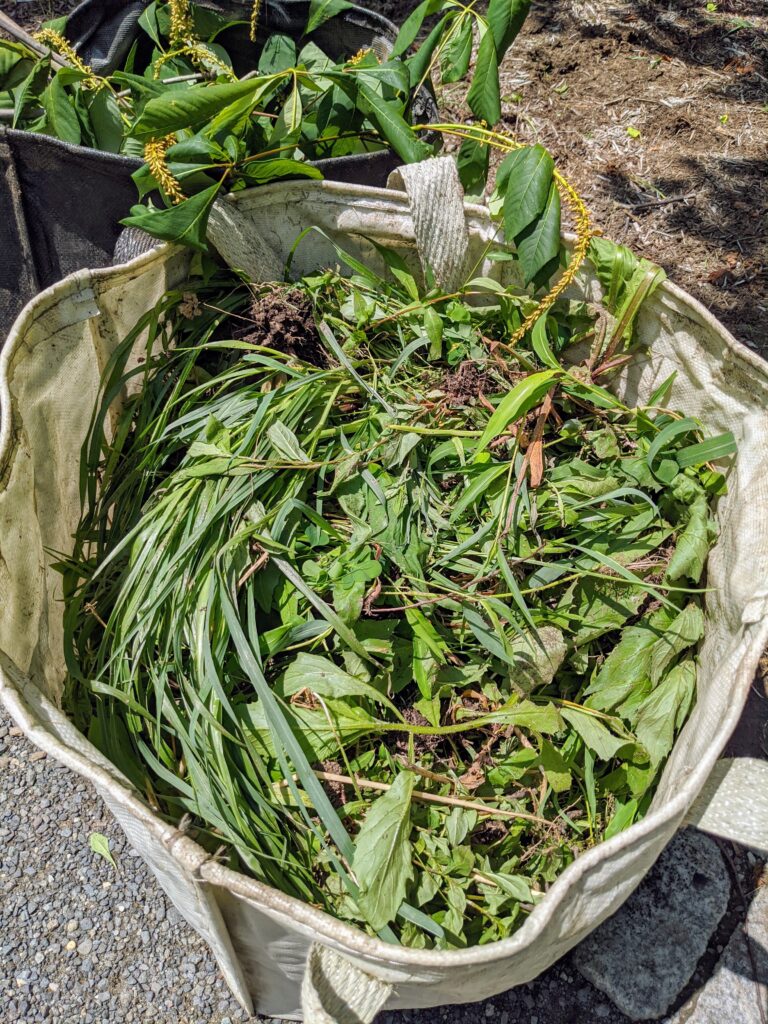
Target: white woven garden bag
[{"x": 279, "y": 956}]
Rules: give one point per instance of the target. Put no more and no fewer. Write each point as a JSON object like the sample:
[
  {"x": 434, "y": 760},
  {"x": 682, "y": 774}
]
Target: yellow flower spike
[
  {"x": 181, "y": 22},
  {"x": 360, "y": 56},
  {"x": 200, "y": 54},
  {"x": 570, "y": 197},
  {"x": 154, "y": 154},
  {"x": 255, "y": 12},
  {"x": 57, "y": 42}
]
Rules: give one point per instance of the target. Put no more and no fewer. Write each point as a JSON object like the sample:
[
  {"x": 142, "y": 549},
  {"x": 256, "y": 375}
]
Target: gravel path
[{"x": 80, "y": 941}]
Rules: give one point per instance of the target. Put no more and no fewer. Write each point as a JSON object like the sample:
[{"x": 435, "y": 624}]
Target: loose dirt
[{"x": 282, "y": 319}]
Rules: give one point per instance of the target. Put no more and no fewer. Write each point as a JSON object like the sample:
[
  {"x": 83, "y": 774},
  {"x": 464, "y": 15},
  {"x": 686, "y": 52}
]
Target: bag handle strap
[
  {"x": 437, "y": 205},
  {"x": 335, "y": 991},
  {"x": 733, "y": 804}
]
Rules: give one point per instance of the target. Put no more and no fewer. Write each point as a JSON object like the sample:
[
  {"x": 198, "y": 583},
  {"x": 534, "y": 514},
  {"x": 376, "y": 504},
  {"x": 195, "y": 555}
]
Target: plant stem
[{"x": 427, "y": 798}]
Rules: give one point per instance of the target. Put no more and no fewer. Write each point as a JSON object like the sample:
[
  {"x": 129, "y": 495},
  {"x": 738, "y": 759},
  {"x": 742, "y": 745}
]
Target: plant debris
[{"x": 406, "y": 657}]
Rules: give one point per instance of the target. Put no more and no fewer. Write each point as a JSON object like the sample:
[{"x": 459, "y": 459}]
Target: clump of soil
[
  {"x": 491, "y": 831},
  {"x": 284, "y": 320},
  {"x": 464, "y": 385}
]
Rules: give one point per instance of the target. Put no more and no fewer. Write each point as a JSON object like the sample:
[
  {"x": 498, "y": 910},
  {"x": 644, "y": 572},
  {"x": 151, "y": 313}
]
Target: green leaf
[
  {"x": 479, "y": 484},
  {"x": 539, "y": 244},
  {"x": 321, "y": 10},
  {"x": 516, "y": 886},
  {"x": 411, "y": 27},
  {"x": 597, "y": 737},
  {"x": 16, "y": 62},
  {"x": 662, "y": 712},
  {"x": 505, "y": 18},
  {"x": 540, "y": 345},
  {"x": 668, "y": 434},
  {"x": 382, "y": 857},
  {"x": 317, "y": 733},
  {"x": 392, "y": 126},
  {"x": 62, "y": 121},
  {"x": 185, "y": 224},
  {"x": 526, "y": 182},
  {"x": 231, "y": 121},
  {"x": 458, "y": 824},
  {"x": 662, "y": 392},
  {"x": 622, "y": 819},
  {"x": 29, "y": 90},
  {"x": 625, "y": 668},
  {"x": 433, "y": 327},
  {"x": 692, "y": 550},
  {"x": 428, "y": 887},
  {"x": 687, "y": 629},
  {"x": 517, "y": 403},
  {"x": 539, "y": 718},
  {"x": 106, "y": 122},
  {"x": 100, "y": 845},
  {"x": 556, "y": 770},
  {"x": 330, "y": 616},
  {"x": 278, "y": 55},
  {"x": 714, "y": 448},
  {"x": 473, "y": 162},
  {"x": 420, "y": 63},
  {"x": 193, "y": 107},
  {"x": 148, "y": 21},
  {"x": 457, "y": 54},
  {"x": 426, "y": 632},
  {"x": 323, "y": 677},
  {"x": 285, "y": 442},
  {"x": 484, "y": 96},
  {"x": 145, "y": 87},
  {"x": 290, "y": 115},
  {"x": 614, "y": 265},
  {"x": 259, "y": 172}
]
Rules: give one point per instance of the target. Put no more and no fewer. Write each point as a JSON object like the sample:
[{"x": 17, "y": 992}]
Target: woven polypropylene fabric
[
  {"x": 734, "y": 802},
  {"x": 18, "y": 280},
  {"x": 133, "y": 242},
  {"x": 335, "y": 992},
  {"x": 437, "y": 206}
]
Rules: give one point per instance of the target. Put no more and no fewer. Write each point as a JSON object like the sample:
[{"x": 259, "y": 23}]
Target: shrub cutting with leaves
[
  {"x": 204, "y": 128},
  {"x": 401, "y": 610}
]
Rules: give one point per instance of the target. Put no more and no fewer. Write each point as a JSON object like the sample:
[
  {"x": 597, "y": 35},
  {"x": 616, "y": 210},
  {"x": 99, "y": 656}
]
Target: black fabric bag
[
  {"x": 61, "y": 205},
  {"x": 60, "y": 210}
]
